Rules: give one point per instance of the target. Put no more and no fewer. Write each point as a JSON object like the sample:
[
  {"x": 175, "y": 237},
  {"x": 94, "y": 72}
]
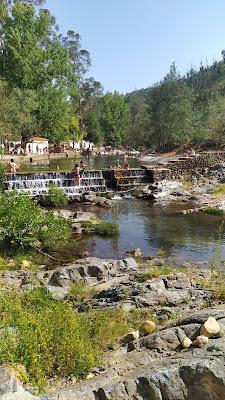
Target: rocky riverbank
[{"x": 167, "y": 355}]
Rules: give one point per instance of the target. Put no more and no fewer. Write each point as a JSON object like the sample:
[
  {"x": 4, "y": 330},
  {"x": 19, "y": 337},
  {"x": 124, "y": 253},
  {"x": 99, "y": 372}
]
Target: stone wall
[{"x": 176, "y": 169}]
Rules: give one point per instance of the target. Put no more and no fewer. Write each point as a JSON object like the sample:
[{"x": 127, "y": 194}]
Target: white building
[
  {"x": 83, "y": 144},
  {"x": 37, "y": 145}
]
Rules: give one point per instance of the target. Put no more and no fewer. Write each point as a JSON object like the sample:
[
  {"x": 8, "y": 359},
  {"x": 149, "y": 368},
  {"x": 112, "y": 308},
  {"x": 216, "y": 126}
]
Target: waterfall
[
  {"x": 132, "y": 178},
  {"x": 36, "y": 184}
]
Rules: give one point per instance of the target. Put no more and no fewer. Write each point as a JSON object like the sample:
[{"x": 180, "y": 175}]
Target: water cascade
[
  {"x": 36, "y": 184},
  {"x": 128, "y": 179}
]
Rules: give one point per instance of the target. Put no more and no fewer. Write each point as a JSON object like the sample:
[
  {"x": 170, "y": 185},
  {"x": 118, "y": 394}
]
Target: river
[{"x": 146, "y": 225}]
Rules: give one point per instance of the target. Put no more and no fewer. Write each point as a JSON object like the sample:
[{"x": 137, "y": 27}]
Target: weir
[{"x": 36, "y": 184}]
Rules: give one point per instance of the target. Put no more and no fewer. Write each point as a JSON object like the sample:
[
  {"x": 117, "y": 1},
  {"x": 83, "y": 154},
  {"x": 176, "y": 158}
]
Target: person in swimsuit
[
  {"x": 126, "y": 165},
  {"x": 76, "y": 174},
  {"x": 13, "y": 167},
  {"x": 82, "y": 168}
]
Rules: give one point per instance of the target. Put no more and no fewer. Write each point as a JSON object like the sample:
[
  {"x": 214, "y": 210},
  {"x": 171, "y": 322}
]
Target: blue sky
[{"x": 133, "y": 42}]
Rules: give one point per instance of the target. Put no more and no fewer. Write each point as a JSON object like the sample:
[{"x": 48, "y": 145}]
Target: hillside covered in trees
[
  {"x": 45, "y": 89},
  {"x": 179, "y": 110}
]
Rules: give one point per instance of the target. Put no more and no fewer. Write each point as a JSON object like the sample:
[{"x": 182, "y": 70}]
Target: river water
[
  {"x": 67, "y": 164},
  {"x": 153, "y": 229},
  {"x": 146, "y": 225}
]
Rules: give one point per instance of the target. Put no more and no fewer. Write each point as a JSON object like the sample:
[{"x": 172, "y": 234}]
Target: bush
[
  {"x": 22, "y": 223},
  {"x": 213, "y": 211},
  {"x": 107, "y": 228},
  {"x": 50, "y": 339},
  {"x": 56, "y": 196}
]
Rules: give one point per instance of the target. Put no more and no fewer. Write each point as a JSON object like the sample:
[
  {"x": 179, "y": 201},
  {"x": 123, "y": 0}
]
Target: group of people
[
  {"x": 78, "y": 172},
  {"x": 118, "y": 166}
]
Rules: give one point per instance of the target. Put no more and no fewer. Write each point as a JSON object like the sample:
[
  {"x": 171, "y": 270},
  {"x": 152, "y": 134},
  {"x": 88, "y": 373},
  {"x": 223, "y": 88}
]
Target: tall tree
[
  {"x": 114, "y": 119},
  {"x": 170, "y": 111}
]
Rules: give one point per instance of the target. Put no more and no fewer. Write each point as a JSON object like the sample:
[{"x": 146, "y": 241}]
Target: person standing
[
  {"x": 82, "y": 168},
  {"x": 76, "y": 175},
  {"x": 13, "y": 167}
]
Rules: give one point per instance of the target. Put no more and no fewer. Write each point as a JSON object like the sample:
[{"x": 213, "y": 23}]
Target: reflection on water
[
  {"x": 66, "y": 164},
  {"x": 145, "y": 225},
  {"x": 152, "y": 228}
]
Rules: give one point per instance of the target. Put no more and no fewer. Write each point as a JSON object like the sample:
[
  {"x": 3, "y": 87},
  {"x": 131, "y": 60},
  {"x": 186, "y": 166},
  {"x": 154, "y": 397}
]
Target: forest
[{"x": 45, "y": 89}]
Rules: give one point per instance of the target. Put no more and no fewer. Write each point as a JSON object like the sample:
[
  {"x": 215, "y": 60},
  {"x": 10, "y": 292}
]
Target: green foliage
[
  {"x": 43, "y": 86},
  {"x": 93, "y": 128},
  {"x": 50, "y": 339},
  {"x": 79, "y": 293},
  {"x": 56, "y": 196},
  {"x": 156, "y": 272},
  {"x": 213, "y": 211},
  {"x": 107, "y": 228},
  {"x": 179, "y": 110},
  {"x": 114, "y": 118},
  {"x": 219, "y": 191},
  {"x": 16, "y": 110},
  {"x": 54, "y": 232},
  {"x": 22, "y": 223}
]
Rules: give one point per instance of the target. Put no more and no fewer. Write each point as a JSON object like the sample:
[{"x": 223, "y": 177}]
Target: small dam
[{"x": 36, "y": 184}]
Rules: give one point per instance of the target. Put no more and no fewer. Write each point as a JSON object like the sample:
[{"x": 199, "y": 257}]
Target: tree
[
  {"x": 16, "y": 111},
  {"x": 170, "y": 111},
  {"x": 93, "y": 129},
  {"x": 138, "y": 131},
  {"x": 114, "y": 120}
]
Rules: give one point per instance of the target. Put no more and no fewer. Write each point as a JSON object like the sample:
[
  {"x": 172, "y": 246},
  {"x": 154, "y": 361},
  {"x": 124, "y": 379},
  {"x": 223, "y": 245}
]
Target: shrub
[
  {"x": 23, "y": 223},
  {"x": 50, "y": 339},
  {"x": 107, "y": 228},
  {"x": 56, "y": 196},
  {"x": 54, "y": 232},
  {"x": 213, "y": 211}
]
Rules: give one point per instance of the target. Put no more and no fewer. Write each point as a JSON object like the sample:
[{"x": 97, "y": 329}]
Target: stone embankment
[
  {"x": 175, "y": 169},
  {"x": 178, "y": 354}
]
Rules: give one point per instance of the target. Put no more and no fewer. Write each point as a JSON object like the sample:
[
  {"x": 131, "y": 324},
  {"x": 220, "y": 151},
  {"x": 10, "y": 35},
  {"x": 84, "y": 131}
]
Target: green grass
[
  {"x": 79, "y": 293},
  {"x": 213, "y": 211},
  {"x": 219, "y": 191},
  {"x": 156, "y": 272},
  {"x": 107, "y": 228},
  {"x": 51, "y": 339}
]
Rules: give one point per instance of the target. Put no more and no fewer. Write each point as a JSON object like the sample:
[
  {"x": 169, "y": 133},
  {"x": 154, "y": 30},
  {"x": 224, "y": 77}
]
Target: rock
[
  {"x": 200, "y": 341},
  {"x": 67, "y": 214},
  {"x": 8, "y": 382},
  {"x": 130, "y": 337},
  {"x": 201, "y": 316},
  {"x": 186, "y": 343},
  {"x": 88, "y": 198},
  {"x": 137, "y": 252},
  {"x": 90, "y": 376},
  {"x": 177, "y": 281},
  {"x": 210, "y": 328},
  {"x": 148, "y": 327},
  {"x": 25, "y": 264}
]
